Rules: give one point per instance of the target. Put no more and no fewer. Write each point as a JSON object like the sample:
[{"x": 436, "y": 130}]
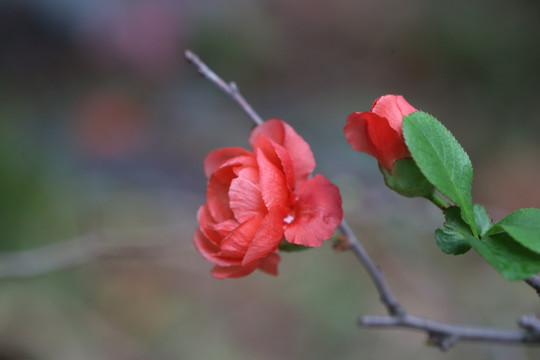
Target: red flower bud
[
  {"x": 379, "y": 132},
  {"x": 255, "y": 198}
]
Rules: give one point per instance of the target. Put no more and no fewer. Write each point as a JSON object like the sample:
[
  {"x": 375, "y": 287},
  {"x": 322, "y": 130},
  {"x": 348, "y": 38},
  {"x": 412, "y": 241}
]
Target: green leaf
[
  {"x": 451, "y": 237},
  {"x": 442, "y": 160},
  {"x": 482, "y": 219},
  {"x": 523, "y": 225},
  {"x": 451, "y": 242},
  {"x": 512, "y": 260}
]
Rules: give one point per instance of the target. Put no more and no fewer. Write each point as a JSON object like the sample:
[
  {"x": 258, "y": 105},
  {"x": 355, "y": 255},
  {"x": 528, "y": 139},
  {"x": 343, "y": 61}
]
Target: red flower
[
  {"x": 378, "y": 132},
  {"x": 255, "y": 198}
]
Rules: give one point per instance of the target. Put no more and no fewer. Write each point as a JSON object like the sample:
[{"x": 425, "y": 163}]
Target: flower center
[{"x": 289, "y": 219}]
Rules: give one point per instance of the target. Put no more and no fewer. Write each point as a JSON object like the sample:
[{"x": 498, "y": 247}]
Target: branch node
[
  {"x": 442, "y": 340},
  {"x": 395, "y": 309},
  {"x": 532, "y": 325}
]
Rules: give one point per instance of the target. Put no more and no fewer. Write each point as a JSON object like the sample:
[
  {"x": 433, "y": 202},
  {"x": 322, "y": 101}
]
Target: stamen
[{"x": 289, "y": 219}]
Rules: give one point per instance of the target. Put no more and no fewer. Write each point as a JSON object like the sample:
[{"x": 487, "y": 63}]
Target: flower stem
[{"x": 437, "y": 200}]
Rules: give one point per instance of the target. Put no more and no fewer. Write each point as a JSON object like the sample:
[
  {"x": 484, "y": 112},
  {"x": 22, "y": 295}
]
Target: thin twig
[
  {"x": 445, "y": 335},
  {"x": 232, "y": 90},
  {"x": 73, "y": 253},
  {"x": 440, "y": 334},
  {"x": 387, "y": 298},
  {"x": 534, "y": 282},
  {"x": 229, "y": 88}
]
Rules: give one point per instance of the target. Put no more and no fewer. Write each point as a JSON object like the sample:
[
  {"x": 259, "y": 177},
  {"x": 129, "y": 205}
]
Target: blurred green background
[{"x": 103, "y": 129}]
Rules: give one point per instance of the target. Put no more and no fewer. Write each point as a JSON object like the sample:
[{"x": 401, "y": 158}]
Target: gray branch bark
[{"x": 439, "y": 334}]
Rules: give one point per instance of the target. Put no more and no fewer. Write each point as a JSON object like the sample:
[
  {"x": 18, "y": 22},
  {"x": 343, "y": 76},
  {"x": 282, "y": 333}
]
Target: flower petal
[
  {"x": 217, "y": 194},
  {"x": 215, "y": 232},
  {"x": 370, "y": 133},
  {"x": 207, "y": 249},
  {"x": 356, "y": 131},
  {"x": 223, "y": 272},
  {"x": 274, "y": 188},
  {"x": 387, "y": 143},
  {"x": 279, "y": 156},
  {"x": 237, "y": 242},
  {"x": 272, "y": 129},
  {"x": 206, "y": 223},
  {"x": 270, "y": 263},
  {"x": 317, "y": 212},
  {"x": 245, "y": 200},
  {"x": 210, "y": 251},
  {"x": 282, "y": 133},
  {"x": 224, "y": 228},
  {"x": 268, "y": 236},
  {"x": 393, "y": 108},
  {"x": 219, "y": 156},
  {"x": 250, "y": 173},
  {"x": 238, "y": 163}
]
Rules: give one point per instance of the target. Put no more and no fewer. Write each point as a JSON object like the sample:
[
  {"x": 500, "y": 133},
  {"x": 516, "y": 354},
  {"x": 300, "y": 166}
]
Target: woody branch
[
  {"x": 440, "y": 334},
  {"x": 77, "y": 252}
]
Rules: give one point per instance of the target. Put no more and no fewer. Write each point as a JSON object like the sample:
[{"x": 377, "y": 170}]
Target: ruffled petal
[
  {"x": 272, "y": 129},
  {"x": 388, "y": 144},
  {"x": 237, "y": 164},
  {"x": 206, "y": 223},
  {"x": 317, "y": 212},
  {"x": 279, "y": 156},
  {"x": 268, "y": 236},
  {"x": 245, "y": 200},
  {"x": 405, "y": 107},
  {"x": 223, "y": 272},
  {"x": 217, "y": 194},
  {"x": 356, "y": 131},
  {"x": 219, "y": 156},
  {"x": 207, "y": 249},
  {"x": 250, "y": 173},
  {"x": 269, "y": 264},
  {"x": 273, "y": 184},
  {"x": 224, "y": 228},
  {"x": 215, "y": 232},
  {"x": 393, "y": 108},
  {"x": 282, "y": 133},
  {"x": 237, "y": 242},
  {"x": 370, "y": 133},
  {"x": 211, "y": 252}
]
